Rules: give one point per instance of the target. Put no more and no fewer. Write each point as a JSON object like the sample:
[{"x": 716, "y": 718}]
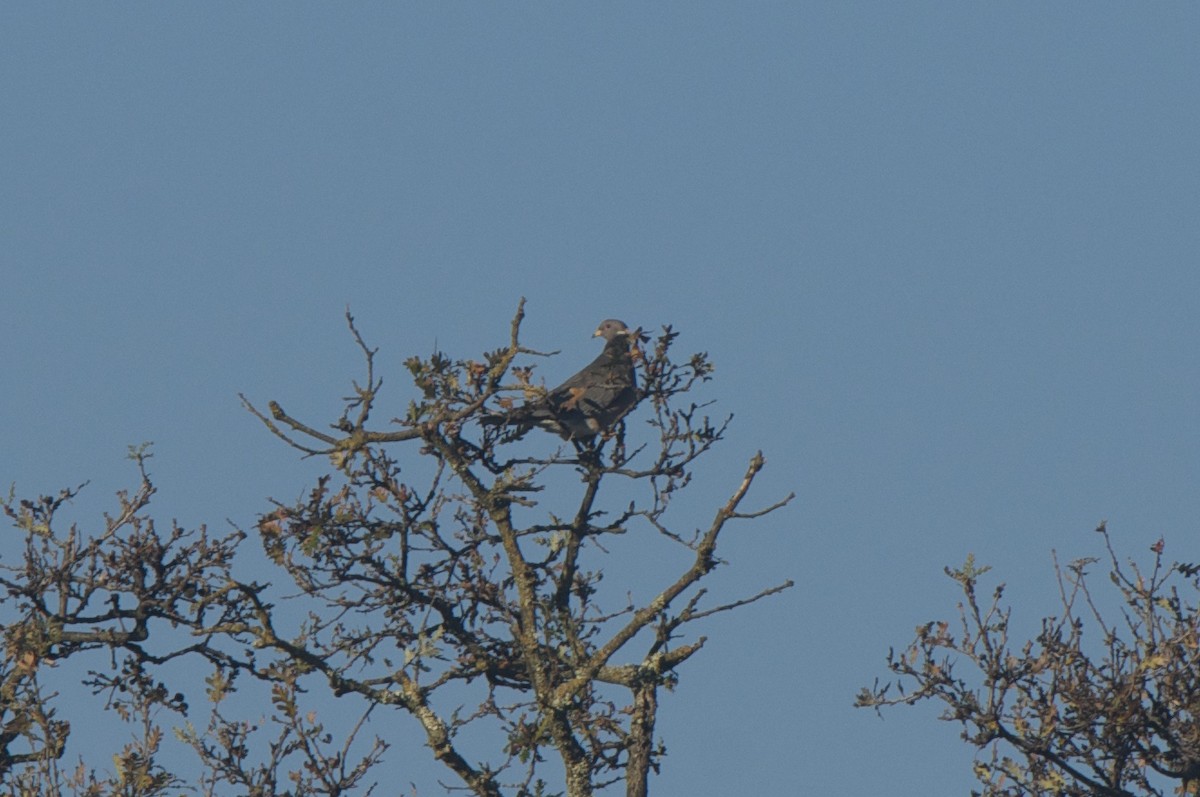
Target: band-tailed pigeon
[{"x": 592, "y": 400}]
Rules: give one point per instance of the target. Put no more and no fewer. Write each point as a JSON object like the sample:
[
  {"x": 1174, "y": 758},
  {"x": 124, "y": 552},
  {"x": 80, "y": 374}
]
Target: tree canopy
[{"x": 466, "y": 575}]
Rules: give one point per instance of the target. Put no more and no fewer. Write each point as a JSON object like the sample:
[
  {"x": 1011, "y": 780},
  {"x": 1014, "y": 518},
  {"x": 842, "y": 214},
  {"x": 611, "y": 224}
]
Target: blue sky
[{"x": 945, "y": 256}]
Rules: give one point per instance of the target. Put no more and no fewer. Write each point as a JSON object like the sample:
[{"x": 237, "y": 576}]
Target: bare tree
[
  {"x": 463, "y": 574},
  {"x": 1098, "y": 703}
]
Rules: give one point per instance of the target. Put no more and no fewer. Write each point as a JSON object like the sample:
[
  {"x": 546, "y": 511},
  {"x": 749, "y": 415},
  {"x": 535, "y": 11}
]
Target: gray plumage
[{"x": 591, "y": 401}]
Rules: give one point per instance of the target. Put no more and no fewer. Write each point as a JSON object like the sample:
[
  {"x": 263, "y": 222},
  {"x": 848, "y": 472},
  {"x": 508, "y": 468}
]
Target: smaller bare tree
[{"x": 1115, "y": 713}]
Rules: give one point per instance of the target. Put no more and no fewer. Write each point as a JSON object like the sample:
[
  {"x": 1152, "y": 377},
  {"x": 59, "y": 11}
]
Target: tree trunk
[{"x": 641, "y": 739}]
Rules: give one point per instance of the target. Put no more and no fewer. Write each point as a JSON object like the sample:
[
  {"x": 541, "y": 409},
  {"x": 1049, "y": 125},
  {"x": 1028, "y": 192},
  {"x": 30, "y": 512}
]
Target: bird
[{"x": 591, "y": 401}]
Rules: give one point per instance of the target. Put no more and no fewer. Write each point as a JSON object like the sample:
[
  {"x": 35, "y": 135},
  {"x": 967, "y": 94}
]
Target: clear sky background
[{"x": 946, "y": 257}]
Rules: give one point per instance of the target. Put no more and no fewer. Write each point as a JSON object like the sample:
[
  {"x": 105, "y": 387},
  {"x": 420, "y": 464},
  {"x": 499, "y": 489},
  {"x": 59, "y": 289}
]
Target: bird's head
[{"x": 610, "y": 328}]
